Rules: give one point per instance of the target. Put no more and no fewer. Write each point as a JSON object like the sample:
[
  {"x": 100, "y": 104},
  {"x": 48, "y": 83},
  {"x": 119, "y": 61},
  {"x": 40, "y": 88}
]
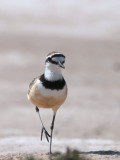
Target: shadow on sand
[{"x": 109, "y": 152}]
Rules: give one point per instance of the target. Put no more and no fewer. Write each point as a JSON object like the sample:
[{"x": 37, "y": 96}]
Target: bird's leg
[
  {"x": 52, "y": 127},
  {"x": 43, "y": 128}
]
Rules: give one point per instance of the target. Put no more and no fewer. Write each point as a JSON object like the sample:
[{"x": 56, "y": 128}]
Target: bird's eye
[
  {"x": 49, "y": 59},
  {"x": 63, "y": 62}
]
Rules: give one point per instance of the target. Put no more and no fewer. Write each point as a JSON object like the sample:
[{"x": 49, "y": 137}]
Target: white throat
[{"x": 52, "y": 72}]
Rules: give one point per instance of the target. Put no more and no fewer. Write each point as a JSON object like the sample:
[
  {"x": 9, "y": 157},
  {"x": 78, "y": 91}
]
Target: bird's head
[{"x": 55, "y": 60}]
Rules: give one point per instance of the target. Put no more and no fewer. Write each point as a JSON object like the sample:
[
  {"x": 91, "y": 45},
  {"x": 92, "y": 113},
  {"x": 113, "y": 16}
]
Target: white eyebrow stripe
[{"x": 52, "y": 55}]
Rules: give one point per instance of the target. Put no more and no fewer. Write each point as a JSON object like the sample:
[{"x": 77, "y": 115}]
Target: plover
[{"x": 49, "y": 90}]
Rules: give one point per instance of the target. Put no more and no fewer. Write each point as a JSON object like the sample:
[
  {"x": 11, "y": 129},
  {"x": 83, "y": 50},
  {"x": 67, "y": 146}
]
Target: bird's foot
[
  {"x": 37, "y": 109},
  {"x": 46, "y": 134}
]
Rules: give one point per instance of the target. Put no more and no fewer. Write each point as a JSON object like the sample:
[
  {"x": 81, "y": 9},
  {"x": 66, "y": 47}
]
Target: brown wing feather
[{"x": 32, "y": 83}]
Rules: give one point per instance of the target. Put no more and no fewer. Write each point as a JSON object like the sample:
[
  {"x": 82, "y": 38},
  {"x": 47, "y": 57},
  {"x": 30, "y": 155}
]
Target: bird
[{"x": 49, "y": 90}]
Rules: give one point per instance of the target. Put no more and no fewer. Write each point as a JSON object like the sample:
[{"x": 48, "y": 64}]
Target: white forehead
[{"x": 56, "y": 59}]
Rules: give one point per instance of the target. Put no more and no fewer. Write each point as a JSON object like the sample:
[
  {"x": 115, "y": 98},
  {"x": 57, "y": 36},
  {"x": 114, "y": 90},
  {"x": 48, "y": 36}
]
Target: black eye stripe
[
  {"x": 53, "y": 62},
  {"x": 50, "y": 60}
]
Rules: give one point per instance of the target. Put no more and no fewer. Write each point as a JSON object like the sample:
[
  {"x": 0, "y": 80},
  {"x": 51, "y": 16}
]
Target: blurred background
[{"x": 88, "y": 33}]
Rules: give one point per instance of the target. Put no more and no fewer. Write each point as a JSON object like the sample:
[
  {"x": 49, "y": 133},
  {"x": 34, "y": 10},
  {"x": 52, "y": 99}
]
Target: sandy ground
[{"x": 89, "y": 119}]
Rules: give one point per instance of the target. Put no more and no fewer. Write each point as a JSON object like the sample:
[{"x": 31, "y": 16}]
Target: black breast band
[{"x": 53, "y": 85}]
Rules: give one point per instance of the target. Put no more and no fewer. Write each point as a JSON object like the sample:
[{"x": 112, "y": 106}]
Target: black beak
[{"x": 61, "y": 65}]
